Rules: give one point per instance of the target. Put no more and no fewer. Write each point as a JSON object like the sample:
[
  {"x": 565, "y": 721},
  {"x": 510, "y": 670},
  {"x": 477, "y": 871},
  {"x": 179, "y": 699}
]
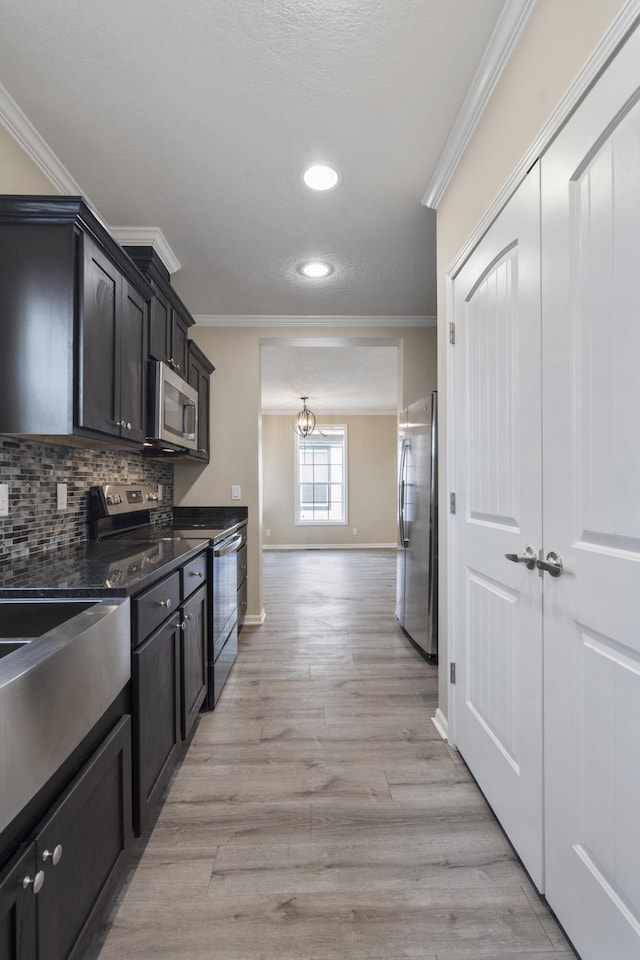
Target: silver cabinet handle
[
  {"x": 166, "y": 603},
  {"x": 528, "y": 557},
  {"x": 197, "y": 573},
  {"x": 54, "y": 855},
  {"x": 552, "y": 565},
  {"x": 36, "y": 882},
  {"x": 189, "y": 616},
  {"x": 182, "y": 625},
  {"x": 128, "y": 426}
]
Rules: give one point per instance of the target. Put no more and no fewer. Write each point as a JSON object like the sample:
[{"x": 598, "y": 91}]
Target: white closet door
[
  {"x": 498, "y": 614},
  {"x": 591, "y": 417}
]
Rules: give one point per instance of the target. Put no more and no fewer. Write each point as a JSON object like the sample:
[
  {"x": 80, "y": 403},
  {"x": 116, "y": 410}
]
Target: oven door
[{"x": 225, "y": 590}]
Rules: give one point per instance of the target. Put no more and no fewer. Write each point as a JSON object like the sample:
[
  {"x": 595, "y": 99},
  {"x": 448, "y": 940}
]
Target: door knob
[
  {"x": 528, "y": 557},
  {"x": 552, "y": 565}
]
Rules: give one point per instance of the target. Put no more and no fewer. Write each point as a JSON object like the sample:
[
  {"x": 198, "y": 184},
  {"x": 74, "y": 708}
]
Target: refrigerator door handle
[{"x": 401, "y": 504}]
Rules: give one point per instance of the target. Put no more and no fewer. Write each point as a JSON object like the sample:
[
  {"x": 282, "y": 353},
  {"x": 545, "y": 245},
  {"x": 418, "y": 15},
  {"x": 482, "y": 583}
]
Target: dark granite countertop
[
  {"x": 94, "y": 569},
  {"x": 121, "y": 566}
]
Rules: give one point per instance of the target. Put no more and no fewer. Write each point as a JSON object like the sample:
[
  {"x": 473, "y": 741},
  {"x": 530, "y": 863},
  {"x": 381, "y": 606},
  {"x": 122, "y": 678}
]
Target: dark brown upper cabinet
[
  {"x": 200, "y": 370},
  {"x": 170, "y": 320},
  {"x": 74, "y": 316}
]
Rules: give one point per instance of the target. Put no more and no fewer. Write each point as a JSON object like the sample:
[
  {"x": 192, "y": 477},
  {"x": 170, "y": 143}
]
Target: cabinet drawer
[
  {"x": 154, "y": 606},
  {"x": 194, "y": 575}
]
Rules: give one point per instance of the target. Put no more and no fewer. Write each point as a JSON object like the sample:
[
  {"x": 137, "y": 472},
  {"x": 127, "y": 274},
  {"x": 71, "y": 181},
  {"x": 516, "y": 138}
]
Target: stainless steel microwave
[{"x": 174, "y": 406}]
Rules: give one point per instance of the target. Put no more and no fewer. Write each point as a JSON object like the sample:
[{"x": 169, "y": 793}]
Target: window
[{"x": 321, "y": 476}]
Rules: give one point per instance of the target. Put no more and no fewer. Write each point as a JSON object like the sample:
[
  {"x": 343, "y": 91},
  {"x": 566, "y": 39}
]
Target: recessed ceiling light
[
  {"x": 320, "y": 177},
  {"x": 315, "y": 269}
]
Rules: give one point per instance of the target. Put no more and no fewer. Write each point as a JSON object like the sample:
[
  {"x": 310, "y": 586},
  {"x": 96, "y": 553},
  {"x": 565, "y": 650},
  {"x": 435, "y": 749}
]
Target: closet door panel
[
  {"x": 498, "y": 613},
  {"x": 591, "y": 492}
]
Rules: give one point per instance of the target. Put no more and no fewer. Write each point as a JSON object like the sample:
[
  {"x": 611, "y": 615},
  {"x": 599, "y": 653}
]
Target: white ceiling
[
  {"x": 197, "y": 116},
  {"x": 337, "y": 378}
]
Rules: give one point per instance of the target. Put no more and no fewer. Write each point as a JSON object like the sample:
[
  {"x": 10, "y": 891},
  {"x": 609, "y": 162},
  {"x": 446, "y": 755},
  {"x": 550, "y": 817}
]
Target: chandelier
[{"x": 304, "y": 422}]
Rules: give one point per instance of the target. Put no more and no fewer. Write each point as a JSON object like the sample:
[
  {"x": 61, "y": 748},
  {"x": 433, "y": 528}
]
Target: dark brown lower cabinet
[
  {"x": 155, "y": 667},
  {"x": 51, "y": 894},
  {"x": 18, "y": 907},
  {"x": 193, "y": 656}
]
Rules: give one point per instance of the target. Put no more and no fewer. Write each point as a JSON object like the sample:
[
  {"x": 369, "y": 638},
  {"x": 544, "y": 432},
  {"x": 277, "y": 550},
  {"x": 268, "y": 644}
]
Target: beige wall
[
  {"x": 371, "y": 483},
  {"x": 557, "y": 41},
  {"x": 236, "y": 423},
  {"x": 18, "y": 172}
]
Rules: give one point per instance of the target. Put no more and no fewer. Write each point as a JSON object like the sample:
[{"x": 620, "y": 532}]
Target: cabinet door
[
  {"x": 156, "y": 716},
  {"x": 179, "y": 346},
  {"x": 203, "y": 416},
  {"x": 193, "y": 659},
  {"x": 133, "y": 353},
  {"x": 99, "y": 360},
  {"x": 90, "y": 831},
  {"x": 159, "y": 327},
  {"x": 199, "y": 379},
  {"x": 18, "y": 907}
]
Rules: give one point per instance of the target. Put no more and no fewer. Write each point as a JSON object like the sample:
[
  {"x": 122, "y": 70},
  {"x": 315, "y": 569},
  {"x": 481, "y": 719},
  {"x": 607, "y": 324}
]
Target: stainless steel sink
[
  {"x": 33, "y": 618},
  {"x": 10, "y": 646},
  {"x": 62, "y": 664}
]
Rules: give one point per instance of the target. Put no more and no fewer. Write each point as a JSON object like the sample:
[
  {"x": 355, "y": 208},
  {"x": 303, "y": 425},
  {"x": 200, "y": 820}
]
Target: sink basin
[
  {"x": 63, "y": 662},
  {"x": 9, "y": 646},
  {"x": 21, "y": 619}
]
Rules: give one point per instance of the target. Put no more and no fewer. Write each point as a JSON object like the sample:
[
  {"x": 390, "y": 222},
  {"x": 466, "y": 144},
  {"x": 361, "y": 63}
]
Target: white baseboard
[
  {"x": 329, "y": 546},
  {"x": 254, "y": 620},
  {"x": 441, "y": 724}
]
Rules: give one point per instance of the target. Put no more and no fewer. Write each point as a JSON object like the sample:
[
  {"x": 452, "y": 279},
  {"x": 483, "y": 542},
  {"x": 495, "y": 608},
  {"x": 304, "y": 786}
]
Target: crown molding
[
  {"x": 24, "y": 133},
  {"x": 627, "y": 20},
  {"x": 504, "y": 38},
  {"x": 267, "y": 320},
  {"x": 148, "y": 237}
]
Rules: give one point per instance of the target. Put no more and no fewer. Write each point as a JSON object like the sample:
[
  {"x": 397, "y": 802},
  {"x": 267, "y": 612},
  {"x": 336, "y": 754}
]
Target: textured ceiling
[
  {"x": 197, "y": 116},
  {"x": 337, "y": 379}
]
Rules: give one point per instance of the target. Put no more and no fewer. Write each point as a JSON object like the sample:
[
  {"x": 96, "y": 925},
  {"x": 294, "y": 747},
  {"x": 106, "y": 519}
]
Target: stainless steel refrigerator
[{"x": 417, "y": 572}]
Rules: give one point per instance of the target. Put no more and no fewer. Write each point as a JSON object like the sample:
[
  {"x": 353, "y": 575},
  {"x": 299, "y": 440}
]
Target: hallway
[{"x": 318, "y": 815}]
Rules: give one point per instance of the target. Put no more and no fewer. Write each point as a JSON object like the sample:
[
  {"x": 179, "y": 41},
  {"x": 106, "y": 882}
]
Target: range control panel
[{"x": 114, "y": 499}]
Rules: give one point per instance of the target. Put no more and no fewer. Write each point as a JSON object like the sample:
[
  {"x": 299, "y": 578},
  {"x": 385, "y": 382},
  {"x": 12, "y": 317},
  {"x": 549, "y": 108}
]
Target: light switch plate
[
  {"x": 61, "y": 496},
  {"x": 235, "y": 491},
  {"x": 4, "y": 499}
]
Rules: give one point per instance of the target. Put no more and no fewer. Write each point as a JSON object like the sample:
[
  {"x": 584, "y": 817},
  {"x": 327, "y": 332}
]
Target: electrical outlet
[
  {"x": 355, "y": 531},
  {"x": 61, "y": 496},
  {"x": 267, "y": 532},
  {"x": 4, "y": 499},
  {"x": 235, "y": 491},
  {"x": 159, "y": 491}
]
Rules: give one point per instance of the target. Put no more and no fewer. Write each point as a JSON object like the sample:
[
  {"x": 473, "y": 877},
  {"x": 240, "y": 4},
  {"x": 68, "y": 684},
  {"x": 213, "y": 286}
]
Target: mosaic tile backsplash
[{"x": 32, "y": 469}]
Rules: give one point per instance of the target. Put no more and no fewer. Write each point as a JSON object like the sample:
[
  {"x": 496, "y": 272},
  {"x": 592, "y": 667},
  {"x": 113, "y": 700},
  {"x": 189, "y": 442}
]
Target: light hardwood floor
[{"x": 318, "y": 815}]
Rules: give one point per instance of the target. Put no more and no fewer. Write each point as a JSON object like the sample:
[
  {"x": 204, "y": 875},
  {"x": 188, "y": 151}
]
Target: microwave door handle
[{"x": 189, "y": 421}]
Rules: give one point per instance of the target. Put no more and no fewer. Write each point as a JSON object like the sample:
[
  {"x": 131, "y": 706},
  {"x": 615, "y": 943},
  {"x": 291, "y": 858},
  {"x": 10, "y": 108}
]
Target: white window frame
[{"x": 299, "y": 442}]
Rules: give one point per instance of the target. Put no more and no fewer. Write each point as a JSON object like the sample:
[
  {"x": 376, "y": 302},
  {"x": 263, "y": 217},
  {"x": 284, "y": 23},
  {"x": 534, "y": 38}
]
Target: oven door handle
[{"x": 232, "y": 545}]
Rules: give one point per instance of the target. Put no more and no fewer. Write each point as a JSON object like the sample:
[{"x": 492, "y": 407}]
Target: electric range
[{"x": 125, "y": 512}]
